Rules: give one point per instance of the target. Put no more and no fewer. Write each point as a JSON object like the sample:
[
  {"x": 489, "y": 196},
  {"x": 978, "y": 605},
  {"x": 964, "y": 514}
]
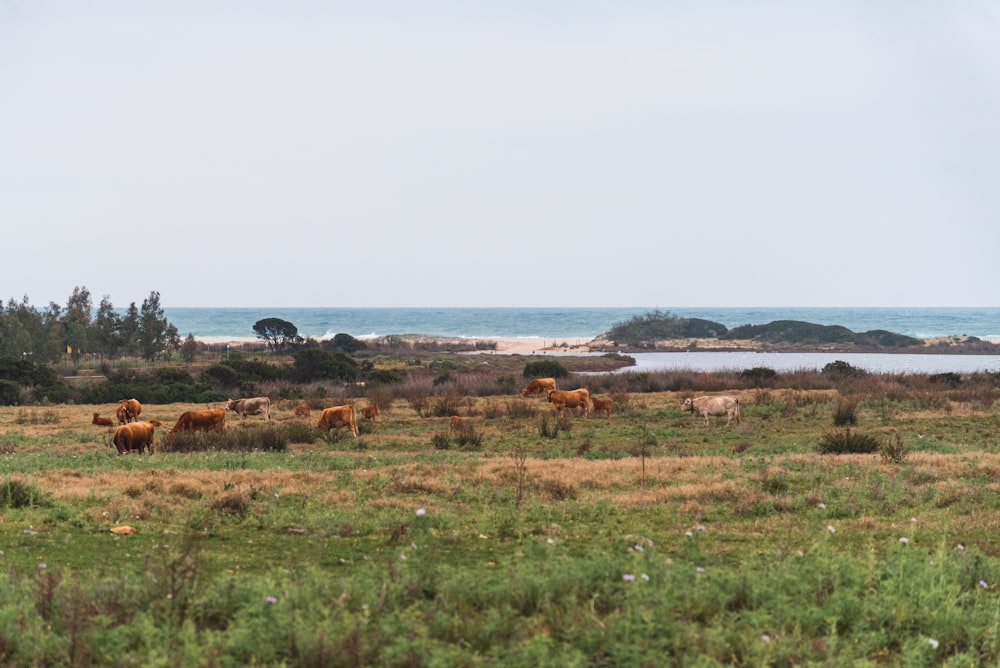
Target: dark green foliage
[
  {"x": 950, "y": 378},
  {"x": 378, "y": 377},
  {"x": 894, "y": 450},
  {"x": 18, "y": 494},
  {"x": 839, "y": 369},
  {"x": 222, "y": 375},
  {"x": 161, "y": 386},
  {"x": 345, "y": 343},
  {"x": 644, "y": 330},
  {"x": 277, "y": 333},
  {"x": 877, "y": 338},
  {"x": 39, "y": 378},
  {"x": 846, "y": 442},
  {"x": 312, "y": 363},
  {"x": 792, "y": 331},
  {"x": 759, "y": 375},
  {"x": 544, "y": 369},
  {"x": 441, "y": 440}
]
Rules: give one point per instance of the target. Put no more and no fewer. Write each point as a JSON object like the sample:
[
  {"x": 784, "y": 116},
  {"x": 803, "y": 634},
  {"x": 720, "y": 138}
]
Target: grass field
[{"x": 644, "y": 539}]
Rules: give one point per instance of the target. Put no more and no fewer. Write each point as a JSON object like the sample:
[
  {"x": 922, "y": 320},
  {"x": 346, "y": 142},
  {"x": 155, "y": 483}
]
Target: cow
[
  {"x": 339, "y": 416},
  {"x": 135, "y": 436},
  {"x": 254, "y": 406},
  {"x": 301, "y": 411},
  {"x": 563, "y": 399},
  {"x": 203, "y": 420},
  {"x": 102, "y": 421},
  {"x": 601, "y": 405},
  {"x": 455, "y": 423},
  {"x": 715, "y": 406},
  {"x": 128, "y": 410},
  {"x": 371, "y": 412},
  {"x": 539, "y": 386}
]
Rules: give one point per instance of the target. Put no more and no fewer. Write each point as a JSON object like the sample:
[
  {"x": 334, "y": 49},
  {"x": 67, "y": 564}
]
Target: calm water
[{"x": 567, "y": 323}]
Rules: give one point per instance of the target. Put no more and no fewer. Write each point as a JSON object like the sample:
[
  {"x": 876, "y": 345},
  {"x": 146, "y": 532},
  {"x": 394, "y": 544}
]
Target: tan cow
[
  {"x": 715, "y": 406},
  {"x": 128, "y": 410},
  {"x": 371, "y": 412},
  {"x": 252, "y": 406},
  {"x": 135, "y": 436},
  {"x": 301, "y": 411},
  {"x": 455, "y": 424},
  {"x": 204, "y": 420},
  {"x": 539, "y": 386},
  {"x": 102, "y": 421},
  {"x": 563, "y": 399},
  {"x": 339, "y": 416},
  {"x": 601, "y": 405}
]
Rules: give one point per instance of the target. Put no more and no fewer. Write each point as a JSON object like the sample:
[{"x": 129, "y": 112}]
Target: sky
[{"x": 547, "y": 153}]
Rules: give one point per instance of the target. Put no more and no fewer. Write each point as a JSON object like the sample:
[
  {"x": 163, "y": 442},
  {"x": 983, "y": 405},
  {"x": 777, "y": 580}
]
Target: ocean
[{"x": 567, "y": 323}]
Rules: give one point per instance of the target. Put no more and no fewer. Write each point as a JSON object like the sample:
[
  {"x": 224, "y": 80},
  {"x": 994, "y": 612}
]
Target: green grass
[{"x": 734, "y": 546}]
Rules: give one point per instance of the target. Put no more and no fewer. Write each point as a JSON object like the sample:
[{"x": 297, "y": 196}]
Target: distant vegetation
[{"x": 646, "y": 331}]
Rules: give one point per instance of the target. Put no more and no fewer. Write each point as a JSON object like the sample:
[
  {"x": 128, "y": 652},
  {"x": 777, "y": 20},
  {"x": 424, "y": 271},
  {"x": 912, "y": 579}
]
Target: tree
[
  {"x": 155, "y": 333},
  {"x": 106, "y": 329},
  {"x": 76, "y": 322},
  {"x": 189, "y": 348},
  {"x": 277, "y": 333},
  {"x": 128, "y": 330}
]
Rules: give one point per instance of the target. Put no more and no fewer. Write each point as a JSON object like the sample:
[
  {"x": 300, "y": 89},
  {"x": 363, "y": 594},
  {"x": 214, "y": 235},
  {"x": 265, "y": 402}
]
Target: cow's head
[{"x": 688, "y": 405}]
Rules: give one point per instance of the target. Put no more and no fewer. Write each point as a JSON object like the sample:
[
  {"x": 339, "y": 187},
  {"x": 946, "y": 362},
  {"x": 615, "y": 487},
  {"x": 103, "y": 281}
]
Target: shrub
[
  {"x": 441, "y": 440},
  {"x": 894, "y": 450},
  {"x": 841, "y": 369},
  {"x": 544, "y": 369},
  {"x": 845, "y": 442},
  {"x": 845, "y": 413},
  {"x": 759, "y": 375},
  {"x": 469, "y": 439},
  {"x": 267, "y": 438},
  {"x": 18, "y": 494}
]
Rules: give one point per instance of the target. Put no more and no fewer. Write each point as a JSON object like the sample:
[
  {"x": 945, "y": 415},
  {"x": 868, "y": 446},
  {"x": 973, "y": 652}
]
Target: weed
[
  {"x": 846, "y": 442},
  {"x": 894, "y": 450}
]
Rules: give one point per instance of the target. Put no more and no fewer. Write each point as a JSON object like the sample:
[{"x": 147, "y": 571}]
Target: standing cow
[
  {"x": 563, "y": 399},
  {"x": 339, "y": 416},
  {"x": 714, "y": 406},
  {"x": 128, "y": 410},
  {"x": 252, "y": 406},
  {"x": 208, "y": 419},
  {"x": 135, "y": 436}
]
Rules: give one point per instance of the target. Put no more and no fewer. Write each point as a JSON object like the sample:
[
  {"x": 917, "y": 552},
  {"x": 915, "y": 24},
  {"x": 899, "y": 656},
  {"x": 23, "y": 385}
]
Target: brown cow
[
  {"x": 602, "y": 405},
  {"x": 715, "y": 406},
  {"x": 539, "y": 386},
  {"x": 371, "y": 412},
  {"x": 455, "y": 423},
  {"x": 563, "y": 399},
  {"x": 301, "y": 411},
  {"x": 102, "y": 422},
  {"x": 339, "y": 416},
  {"x": 128, "y": 410},
  {"x": 135, "y": 436},
  {"x": 204, "y": 420},
  {"x": 253, "y": 406}
]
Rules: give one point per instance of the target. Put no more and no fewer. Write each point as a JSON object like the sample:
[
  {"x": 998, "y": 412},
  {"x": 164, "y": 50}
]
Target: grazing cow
[
  {"x": 128, "y": 410},
  {"x": 371, "y": 412},
  {"x": 563, "y": 399},
  {"x": 339, "y": 416},
  {"x": 601, "y": 405},
  {"x": 102, "y": 422},
  {"x": 254, "y": 406},
  {"x": 302, "y": 411},
  {"x": 135, "y": 436},
  {"x": 715, "y": 406},
  {"x": 204, "y": 420},
  {"x": 539, "y": 386},
  {"x": 455, "y": 423}
]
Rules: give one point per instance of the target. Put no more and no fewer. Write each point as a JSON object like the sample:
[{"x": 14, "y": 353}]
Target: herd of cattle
[{"x": 133, "y": 435}]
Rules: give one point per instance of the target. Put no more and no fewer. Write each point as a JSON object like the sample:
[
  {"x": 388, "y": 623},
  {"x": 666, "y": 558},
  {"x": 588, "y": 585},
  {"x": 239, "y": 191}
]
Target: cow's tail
[{"x": 737, "y": 411}]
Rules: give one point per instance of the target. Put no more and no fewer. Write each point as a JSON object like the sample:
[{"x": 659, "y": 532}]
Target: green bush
[
  {"x": 544, "y": 369},
  {"x": 841, "y": 369},
  {"x": 759, "y": 375},
  {"x": 241, "y": 439},
  {"x": 845, "y": 413},
  {"x": 846, "y": 442},
  {"x": 644, "y": 330},
  {"x": 18, "y": 494}
]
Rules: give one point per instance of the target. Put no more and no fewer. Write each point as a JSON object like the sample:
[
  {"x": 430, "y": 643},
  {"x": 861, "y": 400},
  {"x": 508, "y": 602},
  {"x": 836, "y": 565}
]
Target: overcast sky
[{"x": 529, "y": 153}]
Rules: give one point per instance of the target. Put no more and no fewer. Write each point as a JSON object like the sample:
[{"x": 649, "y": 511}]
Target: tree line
[{"x": 44, "y": 335}]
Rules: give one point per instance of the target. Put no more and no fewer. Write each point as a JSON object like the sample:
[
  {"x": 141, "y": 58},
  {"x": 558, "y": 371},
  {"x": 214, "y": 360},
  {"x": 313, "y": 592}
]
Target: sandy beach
[{"x": 509, "y": 346}]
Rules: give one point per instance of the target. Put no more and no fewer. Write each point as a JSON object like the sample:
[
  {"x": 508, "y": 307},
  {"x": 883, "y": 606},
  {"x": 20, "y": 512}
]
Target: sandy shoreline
[{"x": 509, "y": 346}]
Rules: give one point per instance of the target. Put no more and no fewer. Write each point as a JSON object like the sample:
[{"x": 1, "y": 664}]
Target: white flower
[
  {"x": 960, "y": 547},
  {"x": 904, "y": 540},
  {"x": 628, "y": 577},
  {"x": 688, "y": 534},
  {"x": 765, "y": 638},
  {"x": 550, "y": 541},
  {"x": 821, "y": 505},
  {"x": 933, "y": 643},
  {"x": 982, "y": 583},
  {"x": 644, "y": 577},
  {"x": 700, "y": 527},
  {"x": 638, "y": 548},
  {"x": 829, "y": 527},
  {"x": 421, "y": 512},
  {"x": 699, "y": 570},
  {"x": 402, "y": 557}
]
